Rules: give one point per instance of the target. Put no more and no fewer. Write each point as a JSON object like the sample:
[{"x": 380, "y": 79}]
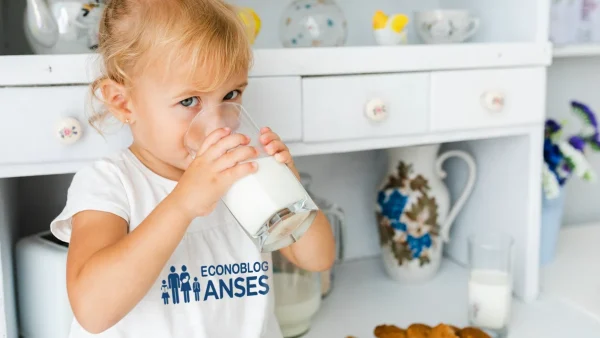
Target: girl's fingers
[
  {"x": 236, "y": 172},
  {"x": 268, "y": 137},
  {"x": 275, "y": 147},
  {"x": 237, "y": 155},
  {"x": 284, "y": 157},
  {"x": 211, "y": 140},
  {"x": 226, "y": 144}
]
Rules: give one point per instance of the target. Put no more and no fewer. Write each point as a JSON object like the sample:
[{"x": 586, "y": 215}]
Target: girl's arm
[
  {"x": 108, "y": 271},
  {"x": 315, "y": 251}
]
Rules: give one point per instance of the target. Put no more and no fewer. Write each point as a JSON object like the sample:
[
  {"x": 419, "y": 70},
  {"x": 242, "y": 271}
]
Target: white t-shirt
[{"x": 216, "y": 283}]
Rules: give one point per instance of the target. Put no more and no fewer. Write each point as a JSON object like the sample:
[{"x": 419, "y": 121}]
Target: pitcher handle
[{"x": 445, "y": 228}]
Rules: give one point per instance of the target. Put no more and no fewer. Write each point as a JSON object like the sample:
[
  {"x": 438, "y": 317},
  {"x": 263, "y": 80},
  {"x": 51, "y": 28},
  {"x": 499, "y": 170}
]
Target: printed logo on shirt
[{"x": 234, "y": 281}]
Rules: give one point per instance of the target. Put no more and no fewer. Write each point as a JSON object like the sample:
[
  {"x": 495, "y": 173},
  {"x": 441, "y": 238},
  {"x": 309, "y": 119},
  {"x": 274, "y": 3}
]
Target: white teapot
[{"x": 63, "y": 26}]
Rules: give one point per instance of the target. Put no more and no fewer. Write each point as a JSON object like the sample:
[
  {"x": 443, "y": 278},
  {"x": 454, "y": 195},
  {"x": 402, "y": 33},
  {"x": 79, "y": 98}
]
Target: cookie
[
  {"x": 443, "y": 331},
  {"x": 389, "y": 331},
  {"x": 418, "y": 331},
  {"x": 471, "y": 332}
]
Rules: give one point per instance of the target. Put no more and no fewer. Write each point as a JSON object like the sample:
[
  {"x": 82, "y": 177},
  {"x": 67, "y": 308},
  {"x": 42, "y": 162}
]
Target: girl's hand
[
  {"x": 213, "y": 171},
  {"x": 275, "y": 147}
]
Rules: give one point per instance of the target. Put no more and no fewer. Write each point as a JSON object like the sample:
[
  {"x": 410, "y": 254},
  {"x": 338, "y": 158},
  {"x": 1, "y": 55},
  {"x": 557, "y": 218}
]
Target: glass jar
[
  {"x": 297, "y": 296},
  {"x": 310, "y": 23},
  {"x": 336, "y": 218}
]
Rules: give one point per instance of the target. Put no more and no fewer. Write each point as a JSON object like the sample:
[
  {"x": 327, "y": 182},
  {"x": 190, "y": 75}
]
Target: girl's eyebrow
[{"x": 188, "y": 92}]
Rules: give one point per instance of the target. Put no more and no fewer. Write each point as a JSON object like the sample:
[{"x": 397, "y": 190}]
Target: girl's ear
[{"x": 117, "y": 99}]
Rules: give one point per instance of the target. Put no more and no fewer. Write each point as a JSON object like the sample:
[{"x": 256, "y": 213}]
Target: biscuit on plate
[
  {"x": 418, "y": 331},
  {"x": 471, "y": 332},
  {"x": 443, "y": 331},
  {"x": 389, "y": 331}
]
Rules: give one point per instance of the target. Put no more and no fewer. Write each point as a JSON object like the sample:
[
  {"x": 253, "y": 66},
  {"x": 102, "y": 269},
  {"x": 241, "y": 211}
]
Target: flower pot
[{"x": 552, "y": 213}]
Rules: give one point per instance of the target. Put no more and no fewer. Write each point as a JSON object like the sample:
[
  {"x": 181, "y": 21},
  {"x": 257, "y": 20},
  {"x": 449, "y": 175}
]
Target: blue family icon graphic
[
  {"x": 174, "y": 285},
  {"x": 185, "y": 284},
  {"x": 196, "y": 289},
  {"x": 179, "y": 282},
  {"x": 165, "y": 292}
]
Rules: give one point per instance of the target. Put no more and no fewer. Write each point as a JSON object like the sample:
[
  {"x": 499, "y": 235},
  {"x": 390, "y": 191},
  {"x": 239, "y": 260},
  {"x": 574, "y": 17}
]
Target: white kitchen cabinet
[
  {"x": 41, "y": 111},
  {"x": 276, "y": 102},
  {"x": 316, "y": 98},
  {"x": 364, "y": 106},
  {"x": 487, "y": 98}
]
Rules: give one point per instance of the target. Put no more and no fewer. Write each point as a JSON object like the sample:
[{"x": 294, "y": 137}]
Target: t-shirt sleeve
[{"x": 97, "y": 187}]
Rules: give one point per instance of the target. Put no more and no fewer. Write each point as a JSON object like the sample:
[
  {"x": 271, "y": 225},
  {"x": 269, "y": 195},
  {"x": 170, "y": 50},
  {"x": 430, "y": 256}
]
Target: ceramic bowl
[{"x": 446, "y": 26}]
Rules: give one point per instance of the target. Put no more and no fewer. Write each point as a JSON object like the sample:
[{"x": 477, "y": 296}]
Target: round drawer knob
[
  {"x": 68, "y": 130},
  {"x": 376, "y": 110},
  {"x": 493, "y": 100}
]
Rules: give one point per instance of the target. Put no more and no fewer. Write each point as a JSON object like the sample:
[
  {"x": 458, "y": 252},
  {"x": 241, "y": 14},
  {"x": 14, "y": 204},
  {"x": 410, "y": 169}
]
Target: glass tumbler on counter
[
  {"x": 297, "y": 296},
  {"x": 490, "y": 282},
  {"x": 271, "y": 205}
]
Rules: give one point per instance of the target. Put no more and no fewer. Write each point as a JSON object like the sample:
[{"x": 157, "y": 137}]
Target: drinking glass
[
  {"x": 297, "y": 296},
  {"x": 271, "y": 205},
  {"x": 490, "y": 282}
]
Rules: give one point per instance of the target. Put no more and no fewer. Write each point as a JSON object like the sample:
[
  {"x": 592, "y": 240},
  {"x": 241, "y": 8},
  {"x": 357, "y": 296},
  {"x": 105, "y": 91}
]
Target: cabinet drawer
[
  {"x": 29, "y": 132},
  {"x": 487, "y": 98},
  {"x": 345, "y": 107},
  {"x": 276, "y": 102}
]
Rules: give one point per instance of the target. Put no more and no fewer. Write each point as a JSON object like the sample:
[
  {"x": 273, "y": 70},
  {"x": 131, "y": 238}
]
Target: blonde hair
[{"x": 135, "y": 34}]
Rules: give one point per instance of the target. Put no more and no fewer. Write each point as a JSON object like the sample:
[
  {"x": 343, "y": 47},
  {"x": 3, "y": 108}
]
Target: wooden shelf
[
  {"x": 583, "y": 50},
  {"x": 364, "y": 297},
  {"x": 26, "y": 70}
]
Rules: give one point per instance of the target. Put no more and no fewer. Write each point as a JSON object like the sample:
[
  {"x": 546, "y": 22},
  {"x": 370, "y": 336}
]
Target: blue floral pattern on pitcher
[{"x": 407, "y": 216}]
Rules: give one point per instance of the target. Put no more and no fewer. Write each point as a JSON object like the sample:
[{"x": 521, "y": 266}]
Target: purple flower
[
  {"x": 585, "y": 113},
  {"x": 552, "y": 126},
  {"x": 577, "y": 142}
]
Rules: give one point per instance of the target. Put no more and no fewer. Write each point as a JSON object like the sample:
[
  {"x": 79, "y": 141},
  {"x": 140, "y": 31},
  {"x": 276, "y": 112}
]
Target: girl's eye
[
  {"x": 232, "y": 95},
  {"x": 190, "y": 102}
]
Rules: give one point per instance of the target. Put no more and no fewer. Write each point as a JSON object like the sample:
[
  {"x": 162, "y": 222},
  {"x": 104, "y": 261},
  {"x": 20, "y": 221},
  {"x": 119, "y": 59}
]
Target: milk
[
  {"x": 254, "y": 199},
  {"x": 490, "y": 296},
  {"x": 297, "y": 299}
]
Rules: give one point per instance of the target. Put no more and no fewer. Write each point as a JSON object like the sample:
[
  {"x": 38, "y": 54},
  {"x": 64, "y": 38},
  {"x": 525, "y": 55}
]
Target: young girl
[{"x": 150, "y": 213}]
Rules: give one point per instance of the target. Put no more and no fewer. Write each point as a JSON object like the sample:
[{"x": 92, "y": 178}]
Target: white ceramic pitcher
[{"x": 413, "y": 210}]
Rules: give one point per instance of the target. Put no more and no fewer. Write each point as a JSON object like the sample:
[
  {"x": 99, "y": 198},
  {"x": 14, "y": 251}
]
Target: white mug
[{"x": 446, "y": 26}]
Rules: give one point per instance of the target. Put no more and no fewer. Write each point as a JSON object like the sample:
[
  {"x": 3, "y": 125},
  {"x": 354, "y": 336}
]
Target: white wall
[
  {"x": 350, "y": 180},
  {"x": 577, "y": 79}
]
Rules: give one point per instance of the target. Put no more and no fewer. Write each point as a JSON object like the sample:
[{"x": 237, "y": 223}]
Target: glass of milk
[
  {"x": 490, "y": 282},
  {"x": 271, "y": 205}
]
